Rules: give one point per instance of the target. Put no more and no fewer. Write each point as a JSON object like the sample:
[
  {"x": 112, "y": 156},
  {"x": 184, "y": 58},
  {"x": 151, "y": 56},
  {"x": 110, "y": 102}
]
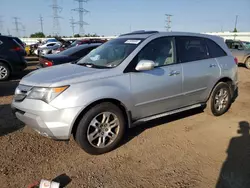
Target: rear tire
[
  {"x": 98, "y": 133},
  {"x": 4, "y": 72},
  {"x": 247, "y": 64},
  {"x": 220, "y": 100}
]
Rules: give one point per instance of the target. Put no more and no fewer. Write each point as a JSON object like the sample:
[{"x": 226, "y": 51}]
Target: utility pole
[
  {"x": 17, "y": 23},
  {"x": 41, "y": 23},
  {"x": 72, "y": 23},
  {"x": 236, "y": 20},
  {"x": 56, "y": 24},
  {"x": 235, "y": 26},
  {"x": 81, "y": 11},
  {"x": 168, "y": 21},
  {"x": 24, "y": 30}
]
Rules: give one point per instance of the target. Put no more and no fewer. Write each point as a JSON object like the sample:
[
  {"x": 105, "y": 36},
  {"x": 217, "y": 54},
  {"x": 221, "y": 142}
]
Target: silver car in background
[
  {"x": 240, "y": 50},
  {"x": 134, "y": 78}
]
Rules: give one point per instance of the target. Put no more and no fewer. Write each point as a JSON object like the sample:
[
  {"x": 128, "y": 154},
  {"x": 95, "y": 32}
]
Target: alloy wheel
[
  {"x": 103, "y": 129},
  {"x": 221, "y": 99},
  {"x": 3, "y": 72}
]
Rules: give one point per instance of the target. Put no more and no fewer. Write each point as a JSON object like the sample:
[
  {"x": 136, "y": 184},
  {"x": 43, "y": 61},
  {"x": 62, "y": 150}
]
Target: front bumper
[{"x": 45, "y": 119}]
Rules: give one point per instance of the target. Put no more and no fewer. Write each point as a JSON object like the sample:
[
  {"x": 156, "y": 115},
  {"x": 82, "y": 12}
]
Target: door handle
[
  {"x": 212, "y": 65},
  {"x": 173, "y": 73}
]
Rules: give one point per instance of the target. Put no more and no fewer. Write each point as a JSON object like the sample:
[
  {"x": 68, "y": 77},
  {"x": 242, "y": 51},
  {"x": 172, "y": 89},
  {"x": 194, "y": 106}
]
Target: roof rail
[{"x": 140, "y": 32}]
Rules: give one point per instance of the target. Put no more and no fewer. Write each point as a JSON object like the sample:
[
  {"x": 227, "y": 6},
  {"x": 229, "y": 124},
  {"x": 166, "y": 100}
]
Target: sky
[{"x": 113, "y": 17}]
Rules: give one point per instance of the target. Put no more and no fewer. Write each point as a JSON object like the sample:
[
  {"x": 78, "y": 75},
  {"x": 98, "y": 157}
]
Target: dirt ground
[{"x": 191, "y": 149}]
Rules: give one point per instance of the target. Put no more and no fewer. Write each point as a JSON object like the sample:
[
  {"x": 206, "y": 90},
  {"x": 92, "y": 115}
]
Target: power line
[
  {"x": 81, "y": 11},
  {"x": 72, "y": 24},
  {"x": 41, "y": 23},
  {"x": 168, "y": 21},
  {"x": 56, "y": 24}
]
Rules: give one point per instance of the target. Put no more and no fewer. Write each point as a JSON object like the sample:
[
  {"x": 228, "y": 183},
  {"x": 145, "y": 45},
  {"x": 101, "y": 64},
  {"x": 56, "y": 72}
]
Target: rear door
[{"x": 200, "y": 70}]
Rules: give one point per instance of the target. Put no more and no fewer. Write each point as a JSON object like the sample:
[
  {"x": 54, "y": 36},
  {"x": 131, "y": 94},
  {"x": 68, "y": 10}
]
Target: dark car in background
[
  {"x": 12, "y": 55},
  {"x": 66, "y": 56},
  {"x": 78, "y": 43}
]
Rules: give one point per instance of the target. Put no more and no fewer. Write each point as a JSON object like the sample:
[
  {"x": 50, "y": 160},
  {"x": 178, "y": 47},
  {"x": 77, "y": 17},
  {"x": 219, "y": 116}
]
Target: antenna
[
  {"x": 72, "y": 23},
  {"x": 81, "y": 11},
  {"x": 168, "y": 21},
  {"x": 56, "y": 24},
  {"x": 41, "y": 23}
]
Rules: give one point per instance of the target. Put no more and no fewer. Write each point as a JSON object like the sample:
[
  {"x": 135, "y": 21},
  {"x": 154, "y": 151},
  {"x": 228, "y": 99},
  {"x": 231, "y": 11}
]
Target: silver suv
[{"x": 134, "y": 78}]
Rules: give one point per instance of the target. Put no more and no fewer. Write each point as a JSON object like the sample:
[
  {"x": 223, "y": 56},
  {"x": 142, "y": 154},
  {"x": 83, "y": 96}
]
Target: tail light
[
  {"x": 16, "y": 49},
  {"x": 45, "y": 62},
  {"x": 236, "y": 61},
  {"x": 48, "y": 63}
]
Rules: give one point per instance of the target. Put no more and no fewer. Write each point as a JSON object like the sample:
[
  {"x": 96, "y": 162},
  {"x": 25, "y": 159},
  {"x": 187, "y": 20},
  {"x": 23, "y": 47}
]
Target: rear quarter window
[{"x": 214, "y": 49}]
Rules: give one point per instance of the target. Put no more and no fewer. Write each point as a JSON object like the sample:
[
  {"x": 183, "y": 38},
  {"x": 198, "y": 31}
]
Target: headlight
[{"x": 46, "y": 94}]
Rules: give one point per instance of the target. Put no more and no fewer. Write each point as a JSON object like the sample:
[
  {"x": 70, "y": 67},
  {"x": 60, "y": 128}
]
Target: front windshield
[
  {"x": 111, "y": 53},
  {"x": 246, "y": 45}
]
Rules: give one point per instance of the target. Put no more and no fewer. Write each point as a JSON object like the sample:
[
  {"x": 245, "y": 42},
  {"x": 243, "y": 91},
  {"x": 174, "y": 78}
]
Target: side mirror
[{"x": 144, "y": 65}]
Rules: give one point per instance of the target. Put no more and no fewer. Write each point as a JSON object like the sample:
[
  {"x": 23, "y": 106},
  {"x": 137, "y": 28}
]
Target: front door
[{"x": 158, "y": 90}]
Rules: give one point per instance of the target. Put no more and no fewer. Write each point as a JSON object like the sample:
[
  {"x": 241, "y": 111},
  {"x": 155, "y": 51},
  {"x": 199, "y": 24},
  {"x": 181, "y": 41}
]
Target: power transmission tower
[
  {"x": 81, "y": 11},
  {"x": 56, "y": 24},
  {"x": 24, "y": 30},
  {"x": 168, "y": 21},
  {"x": 1, "y": 25},
  {"x": 41, "y": 23},
  {"x": 17, "y": 24},
  {"x": 72, "y": 23}
]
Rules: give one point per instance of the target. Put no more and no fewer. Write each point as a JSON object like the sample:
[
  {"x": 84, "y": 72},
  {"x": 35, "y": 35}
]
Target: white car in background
[{"x": 49, "y": 45}]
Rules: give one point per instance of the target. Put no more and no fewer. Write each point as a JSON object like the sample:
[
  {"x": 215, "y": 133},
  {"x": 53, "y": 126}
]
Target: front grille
[{"x": 21, "y": 92}]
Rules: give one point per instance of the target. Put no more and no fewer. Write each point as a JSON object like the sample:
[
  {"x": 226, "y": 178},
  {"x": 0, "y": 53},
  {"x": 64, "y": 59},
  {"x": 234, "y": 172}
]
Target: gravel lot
[{"x": 191, "y": 149}]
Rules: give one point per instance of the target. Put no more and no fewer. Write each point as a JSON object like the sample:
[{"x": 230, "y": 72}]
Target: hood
[{"x": 64, "y": 74}]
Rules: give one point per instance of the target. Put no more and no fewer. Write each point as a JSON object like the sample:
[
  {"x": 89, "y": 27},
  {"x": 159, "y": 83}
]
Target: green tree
[
  {"x": 37, "y": 35},
  {"x": 235, "y": 30},
  {"x": 77, "y": 35}
]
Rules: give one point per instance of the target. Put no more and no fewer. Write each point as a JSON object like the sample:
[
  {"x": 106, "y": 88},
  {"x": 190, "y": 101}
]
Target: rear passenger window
[
  {"x": 191, "y": 49},
  {"x": 214, "y": 49}
]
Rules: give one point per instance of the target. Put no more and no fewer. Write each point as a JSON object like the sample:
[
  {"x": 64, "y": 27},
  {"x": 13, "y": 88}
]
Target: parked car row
[{"x": 137, "y": 77}]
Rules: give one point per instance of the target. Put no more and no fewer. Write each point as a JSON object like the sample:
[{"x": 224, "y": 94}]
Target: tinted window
[
  {"x": 160, "y": 50},
  {"x": 191, "y": 49},
  {"x": 214, "y": 49},
  {"x": 52, "y": 44},
  {"x": 236, "y": 45}
]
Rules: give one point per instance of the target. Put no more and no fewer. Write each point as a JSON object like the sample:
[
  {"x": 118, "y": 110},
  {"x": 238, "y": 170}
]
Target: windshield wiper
[{"x": 92, "y": 65}]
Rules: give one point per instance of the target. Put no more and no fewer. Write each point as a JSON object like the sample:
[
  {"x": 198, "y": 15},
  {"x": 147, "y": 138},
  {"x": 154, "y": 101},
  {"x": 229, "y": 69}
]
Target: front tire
[
  {"x": 101, "y": 129},
  {"x": 4, "y": 72},
  {"x": 220, "y": 100}
]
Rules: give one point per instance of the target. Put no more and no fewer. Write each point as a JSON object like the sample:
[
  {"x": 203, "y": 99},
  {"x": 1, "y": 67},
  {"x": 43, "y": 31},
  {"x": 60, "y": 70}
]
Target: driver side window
[{"x": 160, "y": 51}]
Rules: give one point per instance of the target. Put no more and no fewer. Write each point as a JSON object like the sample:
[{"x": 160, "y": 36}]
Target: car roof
[
  {"x": 145, "y": 34},
  {"x": 87, "y": 45}
]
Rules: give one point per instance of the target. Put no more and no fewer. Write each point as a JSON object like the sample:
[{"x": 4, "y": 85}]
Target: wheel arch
[
  {"x": 225, "y": 80},
  {"x": 7, "y": 63},
  {"x": 116, "y": 102}
]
